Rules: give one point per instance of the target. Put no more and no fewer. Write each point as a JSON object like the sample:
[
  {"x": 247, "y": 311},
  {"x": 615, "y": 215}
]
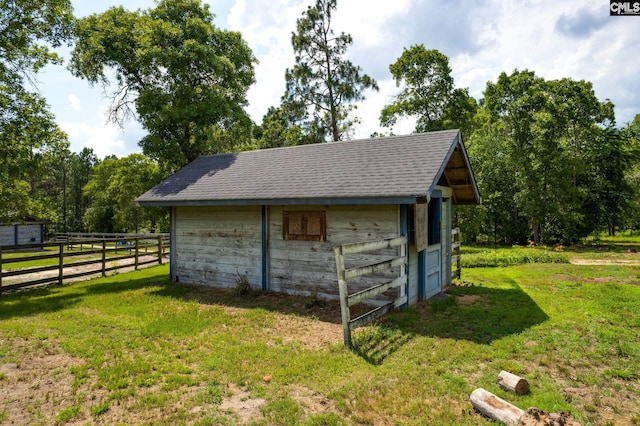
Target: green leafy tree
[
  {"x": 428, "y": 93},
  {"x": 28, "y": 133},
  {"x": 74, "y": 173},
  {"x": 501, "y": 219},
  {"x": 322, "y": 86},
  {"x": 112, "y": 189},
  {"x": 552, "y": 130},
  {"x": 186, "y": 79},
  {"x": 29, "y": 140}
]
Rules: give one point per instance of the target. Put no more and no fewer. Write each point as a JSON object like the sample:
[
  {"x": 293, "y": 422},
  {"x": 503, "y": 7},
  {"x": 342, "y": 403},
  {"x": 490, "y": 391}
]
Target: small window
[{"x": 304, "y": 225}]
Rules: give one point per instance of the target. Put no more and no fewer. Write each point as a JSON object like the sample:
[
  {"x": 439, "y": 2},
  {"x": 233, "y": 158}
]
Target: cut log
[
  {"x": 513, "y": 383},
  {"x": 495, "y": 408}
]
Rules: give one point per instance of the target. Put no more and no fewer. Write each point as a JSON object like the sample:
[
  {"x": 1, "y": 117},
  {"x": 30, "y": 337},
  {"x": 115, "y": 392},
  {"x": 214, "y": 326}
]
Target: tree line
[{"x": 551, "y": 161}]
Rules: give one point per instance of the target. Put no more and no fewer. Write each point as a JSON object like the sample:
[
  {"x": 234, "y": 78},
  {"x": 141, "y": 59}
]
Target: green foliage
[
  {"x": 428, "y": 93},
  {"x": 29, "y": 137},
  {"x": 112, "y": 189},
  {"x": 100, "y": 409},
  {"x": 512, "y": 256},
  {"x": 67, "y": 414},
  {"x": 186, "y": 78},
  {"x": 279, "y": 129},
  {"x": 549, "y": 164},
  {"x": 322, "y": 86},
  {"x": 32, "y": 147},
  {"x": 28, "y": 30}
]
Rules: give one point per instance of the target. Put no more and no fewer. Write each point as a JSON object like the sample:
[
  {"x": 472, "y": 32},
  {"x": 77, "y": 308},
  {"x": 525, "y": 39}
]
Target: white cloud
[
  {"x": 105, "y": 140},
  {"x": 482, "y": 39},
  {"x": 74, "y": 102}
]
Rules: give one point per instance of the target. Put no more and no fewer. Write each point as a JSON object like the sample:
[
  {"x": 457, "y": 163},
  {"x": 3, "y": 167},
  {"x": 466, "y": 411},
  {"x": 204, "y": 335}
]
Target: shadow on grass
[
  {"x": 473, "y": 313},
  {"x": 54, "y": 298},
  {"x": 309, "y": 307},
  {"x": 466, "y": 312}
]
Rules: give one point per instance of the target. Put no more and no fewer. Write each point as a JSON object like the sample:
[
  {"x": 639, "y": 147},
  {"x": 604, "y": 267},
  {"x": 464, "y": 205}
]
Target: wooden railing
[
  {"x": 105, "y": 254},
  {"x": 455, "y": 253},
  {"x": 344, "y": 275}
]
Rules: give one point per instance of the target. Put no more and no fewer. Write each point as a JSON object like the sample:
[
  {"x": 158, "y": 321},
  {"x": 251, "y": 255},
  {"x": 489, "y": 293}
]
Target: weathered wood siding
[
  {"x": 309, "y": 268},
  {"x": 7, "y": 235},
  {"x": 216, "y": 245},
  {"x": 23, "y": 234}
]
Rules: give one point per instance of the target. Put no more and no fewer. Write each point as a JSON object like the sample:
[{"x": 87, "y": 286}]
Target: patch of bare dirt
[
  {"x": 37, "y": 386},
  {"x": 604, "y": 262},
  {"x": 312, "y": 334},
  {"x": 468, "y": 299},
  {"x": 312, "y": 402},
  {"x": 238, "y": 402},
  {"x": 537, "y": 417},
  {"x": 594, "y": 280}
]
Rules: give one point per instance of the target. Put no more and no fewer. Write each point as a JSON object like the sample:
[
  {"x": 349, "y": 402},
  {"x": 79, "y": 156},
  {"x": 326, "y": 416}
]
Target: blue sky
[{"x": 482, "y": 39}]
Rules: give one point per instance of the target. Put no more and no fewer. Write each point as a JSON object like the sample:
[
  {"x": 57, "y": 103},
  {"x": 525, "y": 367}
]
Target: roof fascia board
[
  {"x": 456, "y": 141},
  {"x": 280, "y": 202}
]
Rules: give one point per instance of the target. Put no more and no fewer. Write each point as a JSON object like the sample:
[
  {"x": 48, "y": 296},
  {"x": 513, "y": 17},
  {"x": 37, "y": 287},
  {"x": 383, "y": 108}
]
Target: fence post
[
  {"x": 0, "y": 269},
  {"x": 160, "y": 249},
  {"x": 60, "y": 263},
  {"x": 104, "y": 258},
  {"x": 137, "y": 242},
  {"x": 344, "y": 298}
]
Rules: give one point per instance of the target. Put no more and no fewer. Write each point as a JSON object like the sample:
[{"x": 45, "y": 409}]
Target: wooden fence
[
  {"x": 69, "y": 257},
  {"x": 344, "y": 275}
]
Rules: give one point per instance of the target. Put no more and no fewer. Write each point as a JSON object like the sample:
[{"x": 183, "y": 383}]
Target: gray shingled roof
[{"x": 396, "y": 167}]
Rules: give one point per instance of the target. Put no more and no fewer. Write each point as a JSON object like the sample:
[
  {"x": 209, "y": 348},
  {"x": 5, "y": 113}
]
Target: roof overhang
[
  {"x": 456, "y": 173},
  {"x": 409, "y": 199}
]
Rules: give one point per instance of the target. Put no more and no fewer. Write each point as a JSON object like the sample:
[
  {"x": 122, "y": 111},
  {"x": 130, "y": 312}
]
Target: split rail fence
[{"x": 71, "y": 256}]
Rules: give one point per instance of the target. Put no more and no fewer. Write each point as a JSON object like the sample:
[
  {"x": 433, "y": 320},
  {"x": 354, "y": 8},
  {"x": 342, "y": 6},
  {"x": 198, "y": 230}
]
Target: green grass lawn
[{"x": 134, "y": 349}]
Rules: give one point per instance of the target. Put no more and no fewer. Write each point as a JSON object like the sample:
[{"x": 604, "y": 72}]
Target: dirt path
[
  {"x": 124, "y": 265},
  {"x": 604, "y": 262}
]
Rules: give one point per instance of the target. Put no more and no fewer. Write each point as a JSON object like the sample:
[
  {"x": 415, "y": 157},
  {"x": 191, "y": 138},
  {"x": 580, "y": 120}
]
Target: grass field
[{"x": 134, "y": 349}]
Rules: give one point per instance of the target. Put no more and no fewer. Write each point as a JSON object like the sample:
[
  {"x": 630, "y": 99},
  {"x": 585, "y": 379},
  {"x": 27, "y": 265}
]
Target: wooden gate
[{"x": 344, "y": 275}]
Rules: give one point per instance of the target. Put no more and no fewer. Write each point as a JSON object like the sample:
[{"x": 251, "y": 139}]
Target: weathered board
[
  {"x": 218, "y": 245},
  {"x": 20, "y": 234},
  {"x": 308, "y": 267},
  {"x": 421, "y": 211}
]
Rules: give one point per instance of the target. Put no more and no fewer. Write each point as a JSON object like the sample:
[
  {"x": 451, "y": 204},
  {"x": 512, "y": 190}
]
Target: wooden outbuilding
[
  {"x": 28, "y": 231},
  {"x": 274, "y": 216}
]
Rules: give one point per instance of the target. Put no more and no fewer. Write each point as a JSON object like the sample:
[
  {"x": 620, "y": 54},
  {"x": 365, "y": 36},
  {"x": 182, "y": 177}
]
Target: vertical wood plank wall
[
  {"x": 308, "y": 267},
  {"x": 214, "y": 245}
]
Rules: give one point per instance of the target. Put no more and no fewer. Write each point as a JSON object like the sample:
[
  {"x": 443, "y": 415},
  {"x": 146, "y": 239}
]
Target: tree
[
  {"x": 112, "y": 189},
  {"x": 322, "y": 86},
  {"x": 185, "y": 78},
  {"x": 28, "y": 133},
  {"x": 29, "y": 142},
  {"x": 553, "y": 131},
  {"x": 28, "y": 28},
  {"x": 428, "y": 93}
]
